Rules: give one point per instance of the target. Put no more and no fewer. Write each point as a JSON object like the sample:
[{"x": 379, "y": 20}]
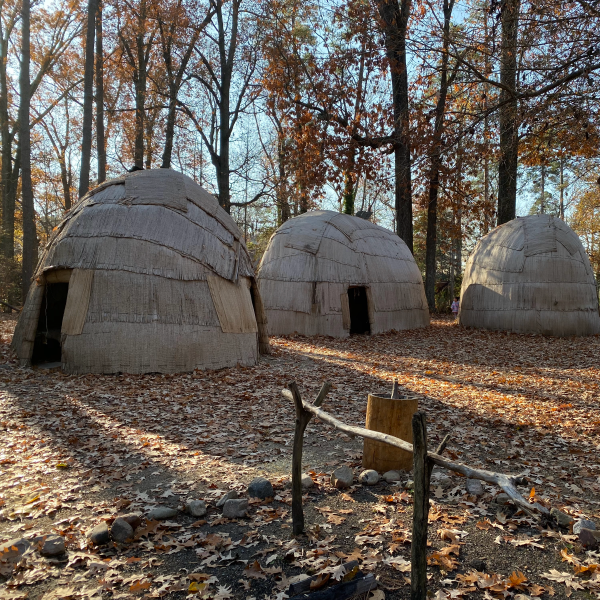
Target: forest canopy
[{"x": 438, "y": 119}]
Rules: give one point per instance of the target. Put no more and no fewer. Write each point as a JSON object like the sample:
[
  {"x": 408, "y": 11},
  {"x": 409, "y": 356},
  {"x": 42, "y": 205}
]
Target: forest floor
[{"x": 77, "y": 450}]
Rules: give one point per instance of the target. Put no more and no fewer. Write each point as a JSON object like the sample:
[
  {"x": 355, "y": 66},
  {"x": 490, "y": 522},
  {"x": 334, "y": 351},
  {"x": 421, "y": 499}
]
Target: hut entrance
[
  {"x": 359, "y": 310},
  {"x": 47, "y": 345}
]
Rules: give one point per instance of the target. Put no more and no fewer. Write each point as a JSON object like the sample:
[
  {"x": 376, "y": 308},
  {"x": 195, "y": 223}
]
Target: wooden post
[
  {"x": 422, "y": 472},
  {"x": 392, "y": 416},
  {"x": 303, "y": 416}
]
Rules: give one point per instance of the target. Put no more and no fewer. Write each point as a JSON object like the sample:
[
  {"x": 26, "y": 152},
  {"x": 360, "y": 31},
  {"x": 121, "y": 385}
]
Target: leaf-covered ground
[{"x": 76, "y": 450}]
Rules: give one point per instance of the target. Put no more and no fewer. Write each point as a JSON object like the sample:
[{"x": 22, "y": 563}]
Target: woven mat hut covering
[
  {"x": 531, "y": 275},
  {"x": 333, "y": 274},
  {"x": 146, "y": 274}
]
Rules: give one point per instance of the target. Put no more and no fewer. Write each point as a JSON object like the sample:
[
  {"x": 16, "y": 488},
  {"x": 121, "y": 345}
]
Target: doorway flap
[{"x": 80, "y": 286}]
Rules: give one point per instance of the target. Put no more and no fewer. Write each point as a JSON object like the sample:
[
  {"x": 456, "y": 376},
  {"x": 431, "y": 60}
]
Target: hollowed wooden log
[{"x": 393, "y": 417}]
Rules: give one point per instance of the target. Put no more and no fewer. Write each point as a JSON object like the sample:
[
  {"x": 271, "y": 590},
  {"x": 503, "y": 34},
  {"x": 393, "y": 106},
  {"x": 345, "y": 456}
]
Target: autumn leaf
[
  {"x": 320, "y": 581},
  {"x": 335, "y": 519},
  {"x": 139, "y": 586},
  {"x": 516, "y": 579},
  {"x": 254, "y": 571}
]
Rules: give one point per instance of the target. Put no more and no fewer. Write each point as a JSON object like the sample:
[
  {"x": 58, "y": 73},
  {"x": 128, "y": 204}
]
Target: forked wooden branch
[{"x": 508, "y": 483}]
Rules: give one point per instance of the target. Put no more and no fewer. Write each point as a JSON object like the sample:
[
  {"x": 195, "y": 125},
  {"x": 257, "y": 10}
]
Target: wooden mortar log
[{"x": 394, "y": 417}]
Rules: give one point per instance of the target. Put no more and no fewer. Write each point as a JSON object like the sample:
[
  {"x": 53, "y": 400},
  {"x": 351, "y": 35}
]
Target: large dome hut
[
  {"x": 333, "y": 274},
  {"x": 531, "y": 275},
  {"x": 146, "y": 274}
]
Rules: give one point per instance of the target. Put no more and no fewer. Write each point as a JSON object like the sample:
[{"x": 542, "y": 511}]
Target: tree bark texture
[
  {"x": 9, "y": 177},
  {"x": 422, "y": 472},
  {"x": 509, "y": 125},
  {"x": 100, "y": 134},
  {"x": 436, "y": 164},
  {"x": 88, "y": 100},
  {"x": 29, "y": 232},
  {"x": 395, "y": 15},
  {"x": 351, "y": 177},
  {"x": 302, "y": 419},
  {"x": 141, "y": 78}
]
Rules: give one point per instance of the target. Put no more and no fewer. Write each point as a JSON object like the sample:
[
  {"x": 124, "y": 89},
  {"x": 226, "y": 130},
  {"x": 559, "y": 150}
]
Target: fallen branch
[
  {"x": 302, "y": 587},
  {"x": 10, "y": 306},
  {"x": 342, "y": 591},
  {"x": 508, "y": 483}
]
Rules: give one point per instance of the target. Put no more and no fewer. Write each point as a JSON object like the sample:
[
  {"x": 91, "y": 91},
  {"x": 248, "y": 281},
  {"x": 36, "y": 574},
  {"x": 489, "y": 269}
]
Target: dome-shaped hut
[
  {"x": 333, "y": 274},
  {"x": 146, "y": 274},
  {"x": 531, "y": 275}
]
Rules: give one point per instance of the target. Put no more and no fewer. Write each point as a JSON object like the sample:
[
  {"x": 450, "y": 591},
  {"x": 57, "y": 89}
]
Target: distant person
[{"x": 455, "y": 306}]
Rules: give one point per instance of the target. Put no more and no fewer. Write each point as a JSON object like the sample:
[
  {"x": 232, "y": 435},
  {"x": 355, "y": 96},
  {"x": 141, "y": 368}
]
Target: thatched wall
[
  {"x": 531, "y": 275},
  {"x": 313, "y": 259},
  {"x": 138, "y": 253}
]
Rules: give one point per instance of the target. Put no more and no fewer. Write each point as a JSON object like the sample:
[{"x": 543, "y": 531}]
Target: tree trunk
[
  {"x": 561, "y": 208},
  {"x": 349, "y": 184},
  {"x": 422, "y": 474},
  {"x": 436, "y": 163},
  {"x": 543, "y": 189},
  {"x": 170, "y": 128},
  {"x": 8, "y": 184},
  {"x": 149, "y": 123},
  {"x": 488, "y": 212},
  {"x": 226, "y": 55},
  {"x": 283, "y": 206},
  {"x": 140, "y": 89},
  {"x": 350, "y": 176},
  {"x": 395, "y": 18},
  {"x": 64, "y": 179},
  {"x": 29, "y": 233},
  {"x": 509, "y": 126},
  {"x": 100, "y": 136},
  {"x": 88, "y": 101}
]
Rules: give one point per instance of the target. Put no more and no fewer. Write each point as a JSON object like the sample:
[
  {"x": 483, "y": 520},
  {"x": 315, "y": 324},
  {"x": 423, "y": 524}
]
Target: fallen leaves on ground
[{"x": 81, "y": 449}]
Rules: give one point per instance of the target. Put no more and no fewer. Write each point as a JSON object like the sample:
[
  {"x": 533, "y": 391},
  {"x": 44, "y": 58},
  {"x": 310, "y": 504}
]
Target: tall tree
[
  {"x": 9, "y": 14},
  {"x": 137, "y": 54},
  {"x": 88, "y": 99},
  {"x": 29, "y": 230},
  {"x": 226, "y": 70},
  {"x": 57, "y": 30},
  {"x": 436, "y": 161},
  {"x": 100, "y": 136},
  {"x": 509, "y": 125},
  {"x": 395, "y": 15},
  {"x": 178, "y": 37}
]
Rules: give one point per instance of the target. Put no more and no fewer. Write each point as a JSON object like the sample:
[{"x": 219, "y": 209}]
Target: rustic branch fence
[{"x": 424, "y": 462}]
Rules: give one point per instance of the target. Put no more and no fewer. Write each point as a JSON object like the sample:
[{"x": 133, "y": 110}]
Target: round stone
[
  {"x": 342, "y": 478},
  {"x": 121, "y": 530},
  {"x": 133, "y": 519},
  {"x": 474, "y": 487},
  {"x": 196, "y": 508},
  {"x": 307, "y": 481},
  {"x": 230, "y": 495},
  {"x": 260, "y": 488},
  {"x": 235, "y": 508},
  {"x": 50, "y": 545},
  {"x": 392, "y": 476},
  {"x": 369, "y": 477},
  {"x": 160, "y": 513},
  {"x": 583, "y": 524},
  {"x": 11, "y": 551},
  {"x": 99, "y": 535}
]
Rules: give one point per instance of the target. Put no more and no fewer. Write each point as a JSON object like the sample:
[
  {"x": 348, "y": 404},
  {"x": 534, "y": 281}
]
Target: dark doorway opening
[
  {"x": 359, "y": 310},
  {"x": 46, "y": 347}
]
